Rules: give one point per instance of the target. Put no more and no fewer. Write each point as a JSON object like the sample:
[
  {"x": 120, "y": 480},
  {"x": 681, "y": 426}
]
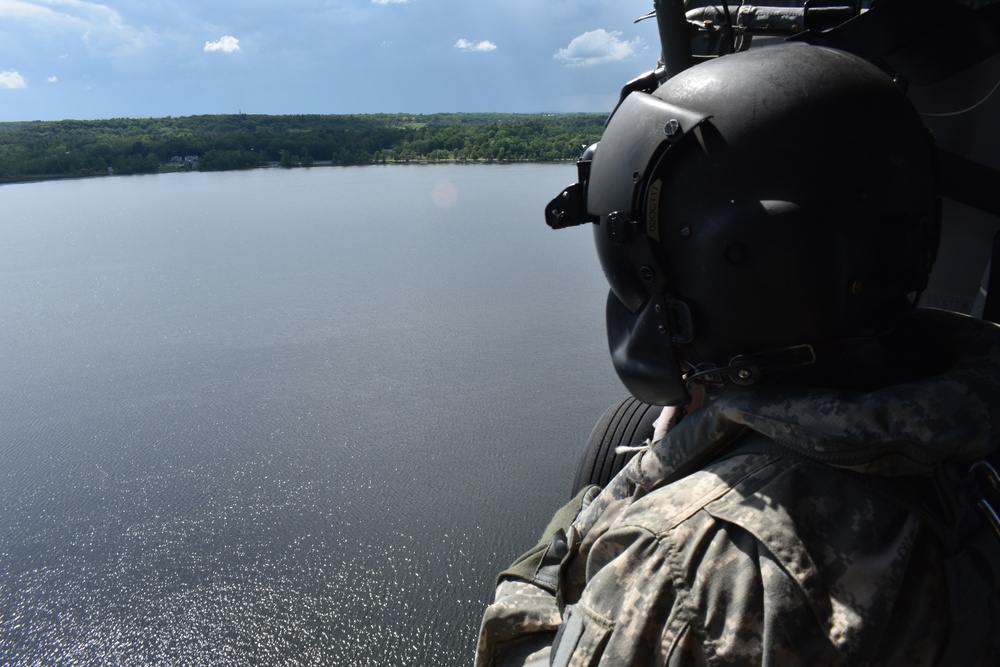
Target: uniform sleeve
[
  {"x": 519, "y": 627},
  {"x": 521, "y": 624},
  {"x": 628, "y": 613},
  {"x": 620, "y": 604}
]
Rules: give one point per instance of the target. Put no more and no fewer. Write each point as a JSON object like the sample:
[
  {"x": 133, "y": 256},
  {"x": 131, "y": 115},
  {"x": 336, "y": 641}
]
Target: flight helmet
[{"x": 756, "y": 211}]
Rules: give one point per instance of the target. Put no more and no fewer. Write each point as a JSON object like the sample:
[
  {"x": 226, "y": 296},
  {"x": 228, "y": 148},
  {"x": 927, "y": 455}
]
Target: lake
[{"x": 284, "y": 417}]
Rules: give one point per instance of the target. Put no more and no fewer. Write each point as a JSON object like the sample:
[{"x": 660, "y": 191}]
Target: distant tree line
[{"x": 73, "y": 148}]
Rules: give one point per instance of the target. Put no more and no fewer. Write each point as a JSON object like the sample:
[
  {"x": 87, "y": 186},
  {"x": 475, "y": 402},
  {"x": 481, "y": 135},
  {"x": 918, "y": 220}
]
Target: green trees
[
  {"x": 221, "y": 159},
  {"x": 223, "y": 142},
  {"x": 136, "y": 164}
]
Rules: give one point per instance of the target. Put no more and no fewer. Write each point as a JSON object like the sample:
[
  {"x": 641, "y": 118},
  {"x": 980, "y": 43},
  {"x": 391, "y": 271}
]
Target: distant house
[{"x": 186, "y": 162}]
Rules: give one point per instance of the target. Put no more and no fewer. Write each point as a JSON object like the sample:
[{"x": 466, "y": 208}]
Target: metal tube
[{"x": 675, "y": 40}]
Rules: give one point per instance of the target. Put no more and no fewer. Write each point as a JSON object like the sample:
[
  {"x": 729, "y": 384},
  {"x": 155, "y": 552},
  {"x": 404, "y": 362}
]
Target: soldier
[{"x": 767, "y": 221}]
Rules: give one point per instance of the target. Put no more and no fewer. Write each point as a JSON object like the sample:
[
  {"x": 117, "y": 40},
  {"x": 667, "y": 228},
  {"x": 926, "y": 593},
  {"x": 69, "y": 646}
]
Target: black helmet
[{"x": 755, "y": 209}]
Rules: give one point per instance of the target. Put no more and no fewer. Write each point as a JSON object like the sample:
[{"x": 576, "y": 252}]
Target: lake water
[{"x": 284, "y": 417}]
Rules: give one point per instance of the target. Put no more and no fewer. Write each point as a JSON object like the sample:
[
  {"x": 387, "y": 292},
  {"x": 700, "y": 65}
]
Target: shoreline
[{"x": 277, "y": 165}]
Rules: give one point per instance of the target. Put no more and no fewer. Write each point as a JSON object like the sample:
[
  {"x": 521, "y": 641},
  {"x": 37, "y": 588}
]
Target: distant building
[{"x": 186, "y": 162}]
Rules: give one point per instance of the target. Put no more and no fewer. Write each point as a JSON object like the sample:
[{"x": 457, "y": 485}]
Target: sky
[{"x": 76, "y": 59}]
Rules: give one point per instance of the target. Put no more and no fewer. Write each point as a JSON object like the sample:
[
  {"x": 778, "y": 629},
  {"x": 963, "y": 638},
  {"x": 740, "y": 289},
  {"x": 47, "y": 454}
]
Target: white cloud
[
  {"x": 103, "y": 30},
  {"x": 597, "y": 47},
  {"x": 22, "y": 9},
  {"x": 53, "y": 79},
  {"x": 11, "y": 80},
  {"x": 482, "y": 47},
  {"x": 226, "y": 44},
  {"x": 389, "y": 2}
]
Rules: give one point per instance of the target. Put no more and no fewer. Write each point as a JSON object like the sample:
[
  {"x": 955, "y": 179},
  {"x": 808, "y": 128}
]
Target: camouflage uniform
[{"x": 807, "y": 527}]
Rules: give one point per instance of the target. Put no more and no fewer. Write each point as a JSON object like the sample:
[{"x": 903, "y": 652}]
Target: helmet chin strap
[{"x": 747, "y": 369}]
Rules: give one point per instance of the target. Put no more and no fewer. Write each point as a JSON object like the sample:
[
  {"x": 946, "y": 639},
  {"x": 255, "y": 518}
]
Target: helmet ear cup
[{"x": 641, "y": 352}]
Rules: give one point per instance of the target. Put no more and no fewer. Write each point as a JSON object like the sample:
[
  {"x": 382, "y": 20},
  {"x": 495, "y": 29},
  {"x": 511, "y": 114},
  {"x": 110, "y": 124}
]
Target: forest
[{"x": 80, "y": 148}]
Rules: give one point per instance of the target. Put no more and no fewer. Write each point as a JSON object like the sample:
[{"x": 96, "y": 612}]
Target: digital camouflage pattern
[{"x": 768, "y": 528}]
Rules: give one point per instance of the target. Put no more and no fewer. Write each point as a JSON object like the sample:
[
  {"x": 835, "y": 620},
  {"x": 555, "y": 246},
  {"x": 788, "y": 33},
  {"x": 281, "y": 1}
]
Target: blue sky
[{"x": 151, "y": 58}]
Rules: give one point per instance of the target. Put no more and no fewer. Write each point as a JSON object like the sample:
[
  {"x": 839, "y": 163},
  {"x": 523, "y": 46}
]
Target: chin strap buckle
[{"x": 747, "y": 369}]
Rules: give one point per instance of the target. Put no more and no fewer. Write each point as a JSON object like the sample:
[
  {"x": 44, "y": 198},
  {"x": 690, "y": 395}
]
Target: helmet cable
[{"x": 967, "y": 109}]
